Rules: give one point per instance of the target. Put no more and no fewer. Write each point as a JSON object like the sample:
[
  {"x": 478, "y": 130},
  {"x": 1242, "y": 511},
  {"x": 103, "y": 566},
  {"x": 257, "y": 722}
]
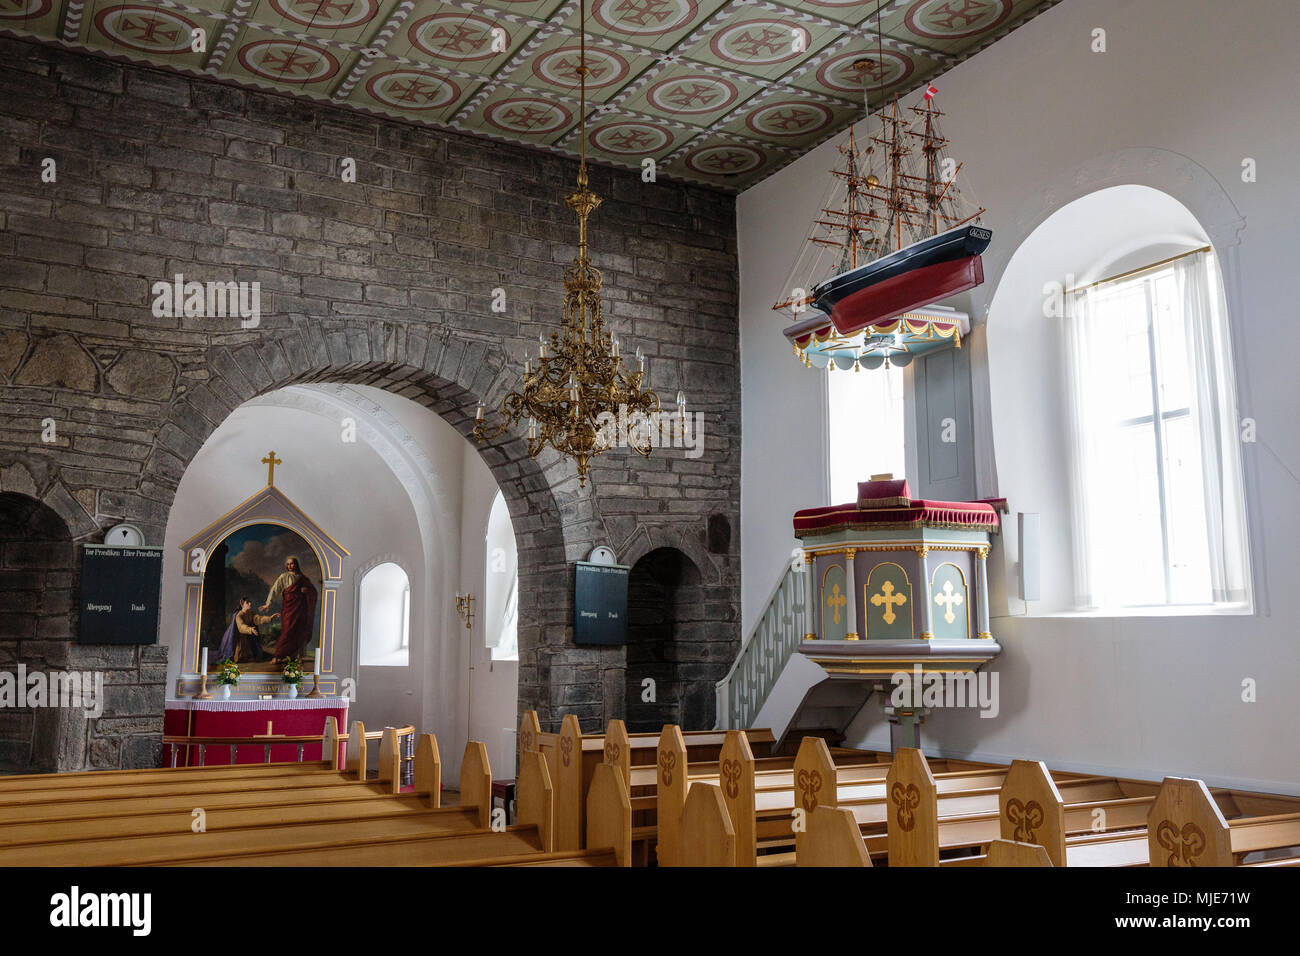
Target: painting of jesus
[
  {"x": 275, "y": 570},
  {"x": 298, "y": 596}
]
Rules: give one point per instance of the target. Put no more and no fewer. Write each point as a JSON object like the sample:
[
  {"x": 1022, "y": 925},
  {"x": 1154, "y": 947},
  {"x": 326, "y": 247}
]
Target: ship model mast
[
  {"x": 892, "y": 237},
  {"x": 872, "y": 218}
]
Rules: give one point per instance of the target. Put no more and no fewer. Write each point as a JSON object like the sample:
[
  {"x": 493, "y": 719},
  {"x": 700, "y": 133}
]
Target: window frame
[
  {"x": 1159, "y": 419},
  {"x": 399, "y": 655}
]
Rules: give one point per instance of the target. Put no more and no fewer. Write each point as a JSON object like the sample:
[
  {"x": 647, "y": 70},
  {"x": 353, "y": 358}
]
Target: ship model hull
[{"x": 915, "y": 276}]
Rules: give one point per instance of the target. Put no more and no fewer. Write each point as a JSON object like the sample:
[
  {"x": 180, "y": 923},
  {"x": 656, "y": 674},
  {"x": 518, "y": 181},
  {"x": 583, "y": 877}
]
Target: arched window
[
  {"x": 865, "y": 426},
  {"x": 501, "y": 590},
  {"x": 1155, "y": 469},
  {"x": 1114, "y": 409},
  {"x": 385, "y": 616}
]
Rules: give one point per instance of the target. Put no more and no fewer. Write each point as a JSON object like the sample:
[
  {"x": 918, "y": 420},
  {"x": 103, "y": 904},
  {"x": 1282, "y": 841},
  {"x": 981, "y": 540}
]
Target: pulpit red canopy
[{"x": 888, "y": 504}]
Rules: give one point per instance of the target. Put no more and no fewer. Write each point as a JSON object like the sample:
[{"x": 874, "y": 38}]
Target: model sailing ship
[{"x": 885, "y": 246}]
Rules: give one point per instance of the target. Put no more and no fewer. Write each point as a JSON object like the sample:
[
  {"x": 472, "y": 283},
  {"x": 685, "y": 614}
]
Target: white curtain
[
  {"x": 1082, "y": 430},
  {"x": 506, "y": 646},
  {"x": 1095, "y": 386},
  {"x": 1214, "y": 412}
]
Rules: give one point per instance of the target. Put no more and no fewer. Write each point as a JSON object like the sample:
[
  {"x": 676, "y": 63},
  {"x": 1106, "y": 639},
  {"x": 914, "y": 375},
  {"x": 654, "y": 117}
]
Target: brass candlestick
[{"x": 203, "y": 688}]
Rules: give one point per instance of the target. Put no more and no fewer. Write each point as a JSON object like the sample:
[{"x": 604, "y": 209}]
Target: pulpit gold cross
[
  {"x": 836, "y": 601},
  {"x": 271, "y": 461},
  {"x": 888, "y": 598},
  {"x": 948, "y": 599}
]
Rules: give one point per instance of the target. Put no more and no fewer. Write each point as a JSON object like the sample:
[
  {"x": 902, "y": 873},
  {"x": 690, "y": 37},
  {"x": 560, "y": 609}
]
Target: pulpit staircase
[{"x": 771, "y": 685}]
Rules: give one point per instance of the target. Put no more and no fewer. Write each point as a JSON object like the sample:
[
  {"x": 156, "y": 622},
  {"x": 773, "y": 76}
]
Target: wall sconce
[{"x": 465, "y": 609}]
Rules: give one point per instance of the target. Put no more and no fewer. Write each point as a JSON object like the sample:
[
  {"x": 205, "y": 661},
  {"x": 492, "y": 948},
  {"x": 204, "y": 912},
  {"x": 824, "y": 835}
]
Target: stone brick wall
[
  {"x": 39, "y": 574},
  {"x": 387, "y": 281}
]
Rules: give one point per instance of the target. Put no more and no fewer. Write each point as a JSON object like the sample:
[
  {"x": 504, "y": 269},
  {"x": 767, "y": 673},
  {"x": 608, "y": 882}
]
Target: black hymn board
[
  {"x": 600, "y": 604},
  {"x": 119, "y": 594}
]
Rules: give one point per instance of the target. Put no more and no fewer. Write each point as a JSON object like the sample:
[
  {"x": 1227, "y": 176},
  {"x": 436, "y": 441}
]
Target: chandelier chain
[{"x": 580, "y": 399}]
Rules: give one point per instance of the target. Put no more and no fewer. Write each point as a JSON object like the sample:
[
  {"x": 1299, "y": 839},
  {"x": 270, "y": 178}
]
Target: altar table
[{"x": 297, "y": 717}]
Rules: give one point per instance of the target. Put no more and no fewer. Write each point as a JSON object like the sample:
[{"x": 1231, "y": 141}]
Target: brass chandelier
[{"x": 580, "y": 399}]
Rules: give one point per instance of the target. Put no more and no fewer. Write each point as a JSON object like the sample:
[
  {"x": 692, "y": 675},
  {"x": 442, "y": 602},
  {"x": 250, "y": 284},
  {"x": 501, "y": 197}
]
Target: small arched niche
[
  {"x": 384, "y": 616},
  {"x": 664, "y": 607}
]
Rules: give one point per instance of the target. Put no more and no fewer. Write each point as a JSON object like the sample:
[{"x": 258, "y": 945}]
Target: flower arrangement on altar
[
  {"x": 227, "y": 676},
  {"x": 292, "y": 673}
]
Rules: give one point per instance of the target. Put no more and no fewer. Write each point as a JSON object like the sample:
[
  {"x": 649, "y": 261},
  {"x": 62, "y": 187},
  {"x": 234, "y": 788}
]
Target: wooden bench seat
[
  {"x": 90, "y": 817},
  {"x": 605, "y": 857},
  {"x": 183, "y": 845},
  {"x": 152, "y": 834},
  {"x": 37, "y": 782},
  {"x": 142, "y": 817},
  {"x": 1180, "y": 824},
  {"x": 609, "y": 831}
]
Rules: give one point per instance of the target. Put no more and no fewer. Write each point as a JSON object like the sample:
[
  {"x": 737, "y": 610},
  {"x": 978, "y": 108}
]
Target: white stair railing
[{"x": 763, "y": 655}]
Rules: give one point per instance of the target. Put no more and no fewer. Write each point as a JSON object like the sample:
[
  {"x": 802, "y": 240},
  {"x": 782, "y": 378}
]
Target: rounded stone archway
[{"x": 450, "y": 378}]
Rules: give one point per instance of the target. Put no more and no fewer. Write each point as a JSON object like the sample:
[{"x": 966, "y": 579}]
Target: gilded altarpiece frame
[{"x": 269, "y": 506}]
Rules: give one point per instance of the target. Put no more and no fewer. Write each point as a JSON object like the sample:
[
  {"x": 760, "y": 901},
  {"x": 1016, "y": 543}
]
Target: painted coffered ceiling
[{"x": 722, "y": 92}]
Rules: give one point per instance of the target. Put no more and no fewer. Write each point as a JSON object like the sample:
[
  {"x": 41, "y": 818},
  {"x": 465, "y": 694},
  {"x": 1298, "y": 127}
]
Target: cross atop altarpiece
[{"x": 271, "y": 461}]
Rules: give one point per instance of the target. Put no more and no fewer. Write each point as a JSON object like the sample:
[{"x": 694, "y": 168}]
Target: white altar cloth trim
[{"x": 277, "y": 703}]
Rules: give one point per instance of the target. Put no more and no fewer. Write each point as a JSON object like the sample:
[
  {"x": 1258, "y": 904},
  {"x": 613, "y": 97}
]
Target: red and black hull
[{"x": 919, "y": 275}]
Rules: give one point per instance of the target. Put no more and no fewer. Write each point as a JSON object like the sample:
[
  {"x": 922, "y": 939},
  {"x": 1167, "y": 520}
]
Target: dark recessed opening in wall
[
  {"x": 719, "y": 536},
  {"x": 664, "y": 606},
  {"x": 38, "y": 581}
]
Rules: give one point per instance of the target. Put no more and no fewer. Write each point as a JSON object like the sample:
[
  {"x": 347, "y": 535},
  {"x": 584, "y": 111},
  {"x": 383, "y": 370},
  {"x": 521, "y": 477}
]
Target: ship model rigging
[{"x": 893, "y": 236}]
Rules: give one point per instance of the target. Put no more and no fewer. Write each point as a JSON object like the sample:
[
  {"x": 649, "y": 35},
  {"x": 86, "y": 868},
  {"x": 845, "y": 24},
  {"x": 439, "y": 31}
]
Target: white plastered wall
[{"x": 1039, "y": 120}]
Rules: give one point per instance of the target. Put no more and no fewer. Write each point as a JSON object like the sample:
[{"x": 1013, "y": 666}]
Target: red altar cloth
[{"x": 299, "y": 717}]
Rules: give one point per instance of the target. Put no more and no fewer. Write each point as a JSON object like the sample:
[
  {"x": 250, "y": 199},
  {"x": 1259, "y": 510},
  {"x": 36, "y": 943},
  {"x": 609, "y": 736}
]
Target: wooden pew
[
  {"x": 965, "y": 801},
  {"x": 242, "y": 829},
  {"x": 775, "y": 783},
  {"x": 146, "y": 830},
  {"x": 807, "y": 782},
  {"x": 1184, "y": 821},
  {"x": 916, "y": 831},
  {"x": 815, "y": 780},
  {"x": 914, "y": 827},
  {"x": 111, "y": 814},
  {"x": 1186, "y": 828},
  {"x": 1032, "y": 810},
  {"x": 32, "y": 783},
  {"x": 968, "y": 807},
  {"x": 55, "y": 788},
  {"x": 572, "y": 757},
  {"x": 833, "y": 839},
  {"x": 609, "y": 821},
  {"x": 708, "y": 832},
  {"x": 609, "y": 833}
]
